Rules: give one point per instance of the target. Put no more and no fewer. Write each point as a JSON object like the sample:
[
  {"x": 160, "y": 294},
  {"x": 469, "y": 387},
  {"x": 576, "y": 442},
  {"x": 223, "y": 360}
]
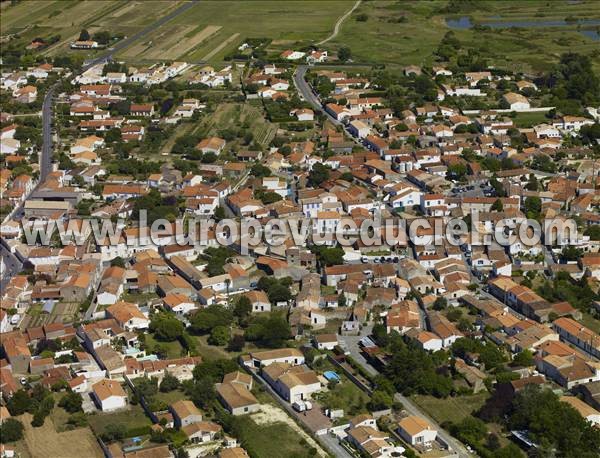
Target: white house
[
  {"x": 179, "y": 304},
  {"x": 109, "y": 395},
  {"x": 417, "y": 431},
  {"x": 516, "y": 102}
]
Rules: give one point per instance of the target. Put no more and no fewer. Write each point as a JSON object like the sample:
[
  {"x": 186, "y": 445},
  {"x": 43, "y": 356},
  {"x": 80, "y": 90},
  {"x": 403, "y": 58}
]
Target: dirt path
[
  {"x": 339, "y": 22},
  {"x": 271, "y": 414}
]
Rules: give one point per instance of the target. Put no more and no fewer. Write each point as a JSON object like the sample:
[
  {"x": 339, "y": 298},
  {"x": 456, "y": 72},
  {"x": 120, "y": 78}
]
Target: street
[{"x": 352, "y": 346}]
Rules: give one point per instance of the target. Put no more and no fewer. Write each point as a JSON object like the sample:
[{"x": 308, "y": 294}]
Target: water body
[
  {"x": 593, "y": 34},
  {"x": 464, "y": 22}
]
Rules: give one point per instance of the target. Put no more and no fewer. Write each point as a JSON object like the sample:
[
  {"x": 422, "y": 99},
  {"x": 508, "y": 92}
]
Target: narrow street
[{"x": 352, "y": 344}]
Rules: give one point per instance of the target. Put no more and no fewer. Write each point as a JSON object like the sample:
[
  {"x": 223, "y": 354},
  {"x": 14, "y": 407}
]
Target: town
[{"x": 128, "y": 343}]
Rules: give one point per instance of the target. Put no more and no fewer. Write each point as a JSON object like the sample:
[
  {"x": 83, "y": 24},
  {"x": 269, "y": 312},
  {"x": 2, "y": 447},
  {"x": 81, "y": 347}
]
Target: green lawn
[
  {"x": 267, "y": 440},
  {"x": 591, "y": 322},
  {"x": 345, "y": 395},
  {"x": 132, "y": 418},
  {"x": 174, "y": 348},
  {"x": 526, "y": 120},
  {"x": 170, "y": 397},
  {"x": 450, "y": 409}
]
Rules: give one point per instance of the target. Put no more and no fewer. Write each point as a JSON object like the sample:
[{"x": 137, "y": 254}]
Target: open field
[
  {"x": 45, "y": 441},
  {"x": 234, "y": 115},
  {"x": 450, "y": 409},
  {"x": 272, "y": 433},
  {"x": 294, "y": 24},
  {"x": 131, "y": 418},
  {"x": 408, "y": 32},
  {"x": 43, "y": 18}
]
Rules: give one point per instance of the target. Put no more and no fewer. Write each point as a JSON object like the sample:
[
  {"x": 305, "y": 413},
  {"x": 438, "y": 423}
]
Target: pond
[
  {"x": 464, "y": 22},
  {"x": 593, "y": 34}
]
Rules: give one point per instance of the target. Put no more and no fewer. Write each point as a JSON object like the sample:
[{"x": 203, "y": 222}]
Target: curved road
[
  {"x": 12, "y": 263},
  {"x": 338, "y": 24}
]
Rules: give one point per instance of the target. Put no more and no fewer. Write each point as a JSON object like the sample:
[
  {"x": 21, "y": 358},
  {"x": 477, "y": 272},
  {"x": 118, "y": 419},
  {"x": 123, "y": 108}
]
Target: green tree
[
  {"x": 497, "y": 206},
  {"x": 19, "y": 403},
  {"x": 318, "y": 174},
  {"x": 169, "y": 383},
  {"x": 380, "y": 400},
  {"x": 166, "y": 327},
  {"x": 219, "y": 335},
  {"x": 84, "y": 35},
  {"x": 11, "y": 430},
  {"x": 344, "y": 54},
  {"x": 71, "y": 402},
  {"x": 242, "y": 308}
]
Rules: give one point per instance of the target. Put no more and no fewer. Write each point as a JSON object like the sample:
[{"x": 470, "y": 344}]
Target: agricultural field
[
  {"x": 42, "y": 18},
  {"x": 45, "y": 441},
  {"x": 210, "y": 30},
  {"x": 408, "y": 32}
]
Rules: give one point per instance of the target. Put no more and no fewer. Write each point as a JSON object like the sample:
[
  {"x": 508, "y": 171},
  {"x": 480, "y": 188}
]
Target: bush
[{"x": 11, "y": 430}]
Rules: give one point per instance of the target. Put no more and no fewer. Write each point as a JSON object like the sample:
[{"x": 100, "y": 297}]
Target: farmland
[{"x": 298, "y": 23}]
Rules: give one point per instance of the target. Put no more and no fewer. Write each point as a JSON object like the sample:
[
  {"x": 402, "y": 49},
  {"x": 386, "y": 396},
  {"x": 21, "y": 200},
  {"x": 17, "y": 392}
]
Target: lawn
[
  {"x": 274, "y": 439},
  {"x": 132, "y": 418},
  {"x": 173, "y": 349},
  {"x": 590, "y": 322},
  {"x": 450, "y": 409},
  {"x": 345, "y": 395},
  {"x": 526, "y": 120},
  {"x": 170, "y": 397}
]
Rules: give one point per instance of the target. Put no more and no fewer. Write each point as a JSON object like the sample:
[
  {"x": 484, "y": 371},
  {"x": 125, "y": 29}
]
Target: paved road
[
  {"x": 351, "y": 343},
  {"x": 47, "y": 112},
  {"x": 13, "y": 264},
  {"x": 339, "y": 22},
  {"x": 308, "y": 94}
]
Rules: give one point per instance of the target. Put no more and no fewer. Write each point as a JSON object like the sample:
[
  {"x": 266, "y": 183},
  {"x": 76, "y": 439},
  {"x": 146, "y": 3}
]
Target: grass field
[
  {"x": 46, "y": 442},
  {"x": 44, "y": 18},
  {"x": 381, "y": 40},
  {"x": 294, "y": 24},
  {"x": 450, "y": 409},
  {"x": 274, "y": 439},
  {"x": 133, "y": 417},
  {"x": 234, "y": 115}
]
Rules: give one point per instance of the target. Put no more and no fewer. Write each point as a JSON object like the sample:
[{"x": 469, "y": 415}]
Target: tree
[
  {"x": 71, "y": 402},
  {"x": 440, "y": 303},
  {"x": 272, "y": 331},
  {"x": 11, "y": 430},
  {"x": 497, "y": 206},
  {"x": 523, "y": 359},
  {"x": 84, "y": 35},
  {"x": 318, "y": 174},
  {"x": 260, "y": 171},
  {"x": 168, "y": 383},
  {"x": 19, "y": 403},
  {"x": 118, "y": 262},
  {"x": 242, "y": 308},
  {"x": 202, "y": 391},
  {"x": 204, "y": 320},
  {"x": 166, "y": 327},
  {"x": 533, "y": 207},
  {"x": 219, "y": 335},
  {"x": 114, "y": 432},
  {"x": 342, "y": 300},
  {"x": 344, "y": 54},
  {"x": 329, "y": 256},
  {"x": 380, "y": 400},
  {"x": 236, "y": 343}
]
